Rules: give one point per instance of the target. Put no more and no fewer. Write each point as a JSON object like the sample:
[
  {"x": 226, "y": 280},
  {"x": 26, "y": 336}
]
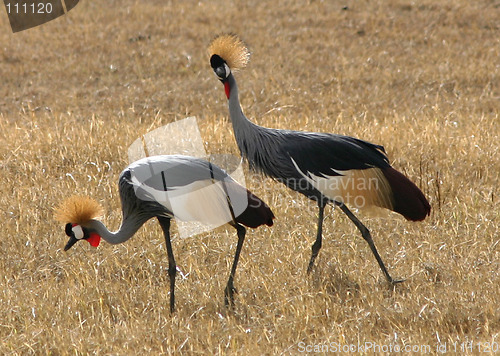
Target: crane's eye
[{"x": 222, "y": 72}]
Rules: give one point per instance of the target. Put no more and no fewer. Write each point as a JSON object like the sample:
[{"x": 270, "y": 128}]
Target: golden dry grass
[{"x": 421, "y": 78}]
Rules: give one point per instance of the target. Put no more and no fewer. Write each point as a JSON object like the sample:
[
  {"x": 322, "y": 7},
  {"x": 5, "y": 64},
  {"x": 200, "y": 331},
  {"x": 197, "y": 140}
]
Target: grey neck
[
  {"x": 260, "y": 146},
  {"x": 244, "y": 129},
  {"x": 127, "y": 229}
]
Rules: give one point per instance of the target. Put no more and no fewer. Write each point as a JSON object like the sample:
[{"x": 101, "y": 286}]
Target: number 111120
[{"x": 39, "y": 8}]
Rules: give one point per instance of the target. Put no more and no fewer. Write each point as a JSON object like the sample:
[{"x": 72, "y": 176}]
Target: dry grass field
[{"x": 421, "y": 78}]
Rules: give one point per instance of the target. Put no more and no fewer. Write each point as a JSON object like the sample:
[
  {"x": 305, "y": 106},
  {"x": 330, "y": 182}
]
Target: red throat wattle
[
  {"x": 94, "y": 239},
  {"x": 227, "y": 89}
]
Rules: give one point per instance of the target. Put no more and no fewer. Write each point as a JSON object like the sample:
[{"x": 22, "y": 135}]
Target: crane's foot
[
  {"x": 310, "y": 266},
  {"x": 229, "y": 293},
  {"x": 172, "y": 302}
]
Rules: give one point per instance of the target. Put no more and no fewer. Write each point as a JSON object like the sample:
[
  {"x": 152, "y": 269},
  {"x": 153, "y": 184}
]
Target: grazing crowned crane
[
  {"x": 324, "y": 167},
  {"x": 166, "y": 187}
]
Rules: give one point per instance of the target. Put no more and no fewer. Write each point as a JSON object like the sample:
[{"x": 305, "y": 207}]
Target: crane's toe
[{"x": 394, "y": 281}]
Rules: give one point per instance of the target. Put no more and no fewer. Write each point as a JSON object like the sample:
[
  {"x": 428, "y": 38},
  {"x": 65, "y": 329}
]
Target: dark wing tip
[
  {"x": 409, "y": 200},
  {"x": 256, "y": 214}
]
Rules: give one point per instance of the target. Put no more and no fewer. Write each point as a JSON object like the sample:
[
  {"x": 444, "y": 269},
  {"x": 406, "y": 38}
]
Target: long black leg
[
  {"x": 317, "y": 244},
  {"x": 172, "y": 267},
  {"x": 368, "y": 238},
  {"x": 230, "y": 290}
]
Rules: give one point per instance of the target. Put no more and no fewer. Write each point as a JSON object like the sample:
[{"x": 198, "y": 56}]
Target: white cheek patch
[
  {"x": 78, "y": 232},
  {"x": 228, "y": 71}
]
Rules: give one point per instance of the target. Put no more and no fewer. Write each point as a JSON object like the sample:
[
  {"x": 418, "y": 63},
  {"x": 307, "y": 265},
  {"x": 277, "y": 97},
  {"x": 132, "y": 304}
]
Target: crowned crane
[
  {"x": 166, "y": 187},
  {"x": 325, "y": 167}
]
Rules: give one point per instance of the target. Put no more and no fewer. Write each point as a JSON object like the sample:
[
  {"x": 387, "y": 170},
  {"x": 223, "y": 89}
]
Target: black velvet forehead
[
  {"x": 216, "y": 61},
  {"x": 68, "y": 229}
]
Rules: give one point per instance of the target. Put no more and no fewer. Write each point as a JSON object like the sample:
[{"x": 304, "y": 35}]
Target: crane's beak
[{"x": 72, "y": 240}]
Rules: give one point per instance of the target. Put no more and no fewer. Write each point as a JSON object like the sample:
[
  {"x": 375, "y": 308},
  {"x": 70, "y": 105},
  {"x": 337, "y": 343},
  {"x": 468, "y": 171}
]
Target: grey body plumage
[
  {"x": 151, "y": 188},
  {"x": 324, "y": 167}
]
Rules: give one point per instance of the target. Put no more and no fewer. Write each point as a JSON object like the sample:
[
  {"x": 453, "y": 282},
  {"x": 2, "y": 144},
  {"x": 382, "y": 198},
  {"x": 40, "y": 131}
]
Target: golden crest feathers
[
  {"x": 231, "y": 49},
  {"x": 77, "y": 209}
]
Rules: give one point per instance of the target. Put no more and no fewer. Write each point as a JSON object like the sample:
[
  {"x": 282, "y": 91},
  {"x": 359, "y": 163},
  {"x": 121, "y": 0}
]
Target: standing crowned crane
[
  {"x": 324, "y": 167},
  {"x": 166, "y": 187}
]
